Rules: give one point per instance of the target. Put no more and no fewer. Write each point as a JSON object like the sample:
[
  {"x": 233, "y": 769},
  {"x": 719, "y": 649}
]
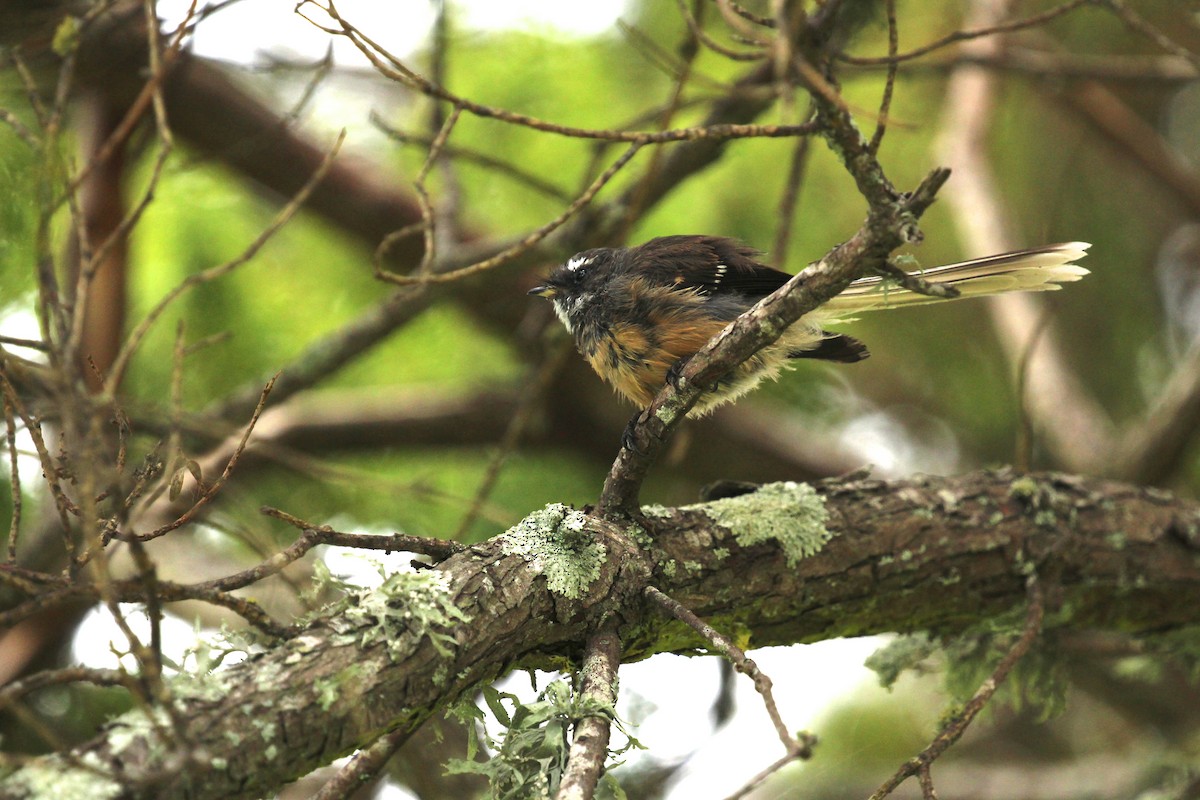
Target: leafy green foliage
[
  {"x": 902, "y": 654},
  {"x": 1038, "y": 681},
  {"x": 530, "y": 757}
]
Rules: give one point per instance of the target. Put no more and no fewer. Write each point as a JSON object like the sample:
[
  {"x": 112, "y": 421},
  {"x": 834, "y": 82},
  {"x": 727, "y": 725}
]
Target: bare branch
[
  {"x": 1137, "y": 23},
  {"x": 363, "y": 767},
  {"x": 953, "y": 730},
  {"x": 1031, "y": 21},
  {"x": 797, "y": 748},
  {"x": 589, "y": 745}
]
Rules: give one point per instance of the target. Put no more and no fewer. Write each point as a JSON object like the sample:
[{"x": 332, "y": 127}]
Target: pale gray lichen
[
  {"x": 266, "y": 728},
  {"x": 52, "y": 776},
  {"x": 659, "y": 512},
  {"x": 406, "y": 607},
  {"x": 328, "y": 690},
  {"x": 555, "y": 541},
  {"x": 791, "y": 513}
]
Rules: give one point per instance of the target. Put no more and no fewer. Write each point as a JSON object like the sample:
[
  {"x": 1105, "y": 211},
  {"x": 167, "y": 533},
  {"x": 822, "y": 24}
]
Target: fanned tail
[{"x": 1039, "y": 269}]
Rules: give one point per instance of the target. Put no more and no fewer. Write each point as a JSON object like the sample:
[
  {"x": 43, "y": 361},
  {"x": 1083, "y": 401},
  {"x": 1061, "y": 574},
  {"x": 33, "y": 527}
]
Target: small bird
[{"x": 637, "y": 313}]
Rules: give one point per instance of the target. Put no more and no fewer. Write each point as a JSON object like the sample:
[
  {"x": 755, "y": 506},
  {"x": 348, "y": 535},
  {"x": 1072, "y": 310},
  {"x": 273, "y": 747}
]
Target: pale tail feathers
[{"x": 1039, "y": 269}]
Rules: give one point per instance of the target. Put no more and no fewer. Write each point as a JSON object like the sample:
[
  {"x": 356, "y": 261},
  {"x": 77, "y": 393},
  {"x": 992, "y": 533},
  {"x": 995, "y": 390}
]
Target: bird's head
[{"x": 574, "y": 285}]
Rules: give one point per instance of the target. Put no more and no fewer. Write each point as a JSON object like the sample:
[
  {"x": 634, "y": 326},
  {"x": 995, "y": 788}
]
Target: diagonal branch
[{"x": 953, "y": 730}]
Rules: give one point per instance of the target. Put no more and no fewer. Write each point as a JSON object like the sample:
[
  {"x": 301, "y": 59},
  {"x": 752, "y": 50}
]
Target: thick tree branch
[{"x": 925, "y": 554}]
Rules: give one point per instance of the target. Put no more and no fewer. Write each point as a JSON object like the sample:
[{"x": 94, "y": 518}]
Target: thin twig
[
  {"x": 635, "y": 200},
  {"x": 913, "y": 282},
  {"x": 711, "y": 43},
  {"x": 32, "y": 344},
  {"x": 50, "y": 471},
  {"x": 14, "y": 480},
  {"x": 428, "y": 222},
  {"x": 144, "y": 99},
  {"x": 747, "y": 14},
  {"x": 890, "y": 84},
  {"x": 439, "y": 549},
  {"x": 957, "y": 725},
  {"x": 737, "y": 22},
  {"x": 496, "y": 165},
  {"x": 756, "y": 781},
  {"x": 363, "y": 767},
  {"x": 676, "y": 67},
  {"x": 796, "y": 747},
  {"x": 1040, "y": 63},
  {"x": 791, "y": 198},
  {"x": 925, "y": 777},
  {"x": 395, "y": 69},
  {"x": 58, "y": 677},
  {"x": 121, "y": 362},
  {"x": 1031, "y": 21},
  {"x": 23, "y": 133},
  {"x": 1138, "y": 24},
  {"x": 528, "y": 240},
  {"x": 211, "y": 492},
  {"x": 1023, "y": 448},
  {"x": 135, "y": 592}
]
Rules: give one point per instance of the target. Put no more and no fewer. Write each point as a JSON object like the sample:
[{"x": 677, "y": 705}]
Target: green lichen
[
  {"x": 790, "y": 513},
  {"x": 440, "y": 675},
  {"x": 638, "y": 535},
  {"x": 53, "y": 777},
  {"x": 1038, "y": 682},
  {"x": 266, "y": 728},
  {"x": 66, "y": 36},
  {"x": 1046, "y": 518},
  {"x": 328, "y": 690},
  {"x": 407, "y": 607},
  {"x": 900, "y": 655},
  {"x": 555, "y": 541},
  {"x": 1182, "y": 647},
  {"x": 1024, "y": 488}
]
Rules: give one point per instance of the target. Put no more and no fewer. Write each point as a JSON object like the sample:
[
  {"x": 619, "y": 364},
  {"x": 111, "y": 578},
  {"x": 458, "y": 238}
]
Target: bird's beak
[{"x": 543, "y": 291}]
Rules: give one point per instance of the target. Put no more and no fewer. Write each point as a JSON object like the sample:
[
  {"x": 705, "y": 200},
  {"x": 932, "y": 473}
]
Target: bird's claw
[
  {"x": 675, "y": 372},
  {"x": 628, "y": 439}
]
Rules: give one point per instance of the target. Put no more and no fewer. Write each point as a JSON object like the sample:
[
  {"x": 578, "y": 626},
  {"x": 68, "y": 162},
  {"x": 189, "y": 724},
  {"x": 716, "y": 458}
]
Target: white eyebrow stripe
[{"x": 579, "y": 261}]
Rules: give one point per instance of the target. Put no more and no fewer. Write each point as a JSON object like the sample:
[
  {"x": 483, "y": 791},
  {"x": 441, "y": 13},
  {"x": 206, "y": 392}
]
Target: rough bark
[{"x": 924, "y": 554}]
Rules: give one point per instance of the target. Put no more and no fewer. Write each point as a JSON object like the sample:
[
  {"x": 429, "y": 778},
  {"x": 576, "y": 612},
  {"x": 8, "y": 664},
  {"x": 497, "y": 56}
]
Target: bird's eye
[{"x": 579, "y": 273}]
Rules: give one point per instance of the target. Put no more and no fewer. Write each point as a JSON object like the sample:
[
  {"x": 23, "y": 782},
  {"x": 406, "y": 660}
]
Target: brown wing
[{"x": 709, "y": 264}]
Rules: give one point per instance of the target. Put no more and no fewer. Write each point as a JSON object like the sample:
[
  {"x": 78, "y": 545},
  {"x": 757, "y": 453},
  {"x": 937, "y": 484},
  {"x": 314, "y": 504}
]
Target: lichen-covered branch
[{"x": 786, "y": 564}]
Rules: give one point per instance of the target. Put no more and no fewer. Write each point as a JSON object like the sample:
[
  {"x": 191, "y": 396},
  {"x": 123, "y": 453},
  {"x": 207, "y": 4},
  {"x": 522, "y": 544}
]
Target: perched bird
[{"x": 638, "y": 312}]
